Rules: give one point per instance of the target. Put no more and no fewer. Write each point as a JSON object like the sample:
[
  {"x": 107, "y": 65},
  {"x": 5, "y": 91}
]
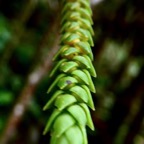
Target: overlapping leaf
[{"x": 70, "y": 91}]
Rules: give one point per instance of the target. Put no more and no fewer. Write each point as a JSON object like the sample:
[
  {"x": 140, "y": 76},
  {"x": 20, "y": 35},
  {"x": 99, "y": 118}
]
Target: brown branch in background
[
  {"x": 47, "y": 39},
  {"x": 27, "y": 92},
  {"x": 139, "y": 137},
  {"x": 135, "y": 107},
  {"x": 137, "y": 116}
]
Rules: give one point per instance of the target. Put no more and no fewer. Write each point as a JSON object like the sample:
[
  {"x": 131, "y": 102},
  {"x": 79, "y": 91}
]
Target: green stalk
[{"x": 70, "y": 91}]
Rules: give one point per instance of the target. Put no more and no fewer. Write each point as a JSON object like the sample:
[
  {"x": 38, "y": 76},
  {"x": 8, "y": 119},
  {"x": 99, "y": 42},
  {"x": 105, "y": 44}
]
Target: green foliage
[
  {"x": 70, "y": 91},
  {"x": 6, "y": 98},
  {"x": 4, "y": 32}
]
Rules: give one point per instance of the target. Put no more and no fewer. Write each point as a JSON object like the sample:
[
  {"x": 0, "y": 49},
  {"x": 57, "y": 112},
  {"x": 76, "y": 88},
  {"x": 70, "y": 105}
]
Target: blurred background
[{"x": 29, "y": 38}]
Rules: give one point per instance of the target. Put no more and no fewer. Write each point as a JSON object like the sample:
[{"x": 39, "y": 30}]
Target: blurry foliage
[
  {"x": 5, "y": 32},
  {"x": 26, "y": 37}
]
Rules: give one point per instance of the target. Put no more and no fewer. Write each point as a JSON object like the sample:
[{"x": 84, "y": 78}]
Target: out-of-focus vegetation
[{"x": 28, "y": 37}]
